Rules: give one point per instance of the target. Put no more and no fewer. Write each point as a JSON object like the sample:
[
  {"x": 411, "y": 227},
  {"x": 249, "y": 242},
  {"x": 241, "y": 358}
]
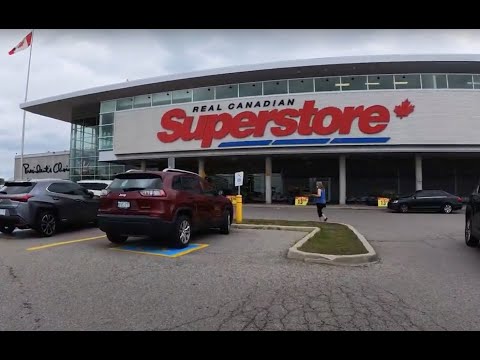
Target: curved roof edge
[{"x": 69, "y": 106}]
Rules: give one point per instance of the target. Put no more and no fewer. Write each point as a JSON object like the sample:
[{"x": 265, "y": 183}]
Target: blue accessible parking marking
[{"x": 159, "y": 251}]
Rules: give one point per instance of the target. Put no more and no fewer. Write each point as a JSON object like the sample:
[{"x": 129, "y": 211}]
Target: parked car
[
  {"x": 43, "y": 205},
  {"x": 171, "y": 203},
  {"x": 426, "y": 200},
  {"x": 472, "y": 218},
  {"x": 95, "y": 186}
]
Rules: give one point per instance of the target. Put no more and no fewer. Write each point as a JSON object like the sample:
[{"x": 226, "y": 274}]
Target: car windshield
[
  {"x": 138, "y": 182},
  {"x": 14, "y": 188}
]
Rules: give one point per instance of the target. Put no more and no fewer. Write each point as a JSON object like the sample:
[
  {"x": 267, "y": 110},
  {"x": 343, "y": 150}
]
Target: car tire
[
  {"x": 116, "y": 238},
  {"x": 470, "y": 240},
  {"x": 7, "y": 229},
  {"x": 447, "y": 208},
  {"x": 403, "y": 208},
  {"x": 182, "y": 232},
  {"x": 226, "y": 222},
  {"x": 46, "y": 224}
]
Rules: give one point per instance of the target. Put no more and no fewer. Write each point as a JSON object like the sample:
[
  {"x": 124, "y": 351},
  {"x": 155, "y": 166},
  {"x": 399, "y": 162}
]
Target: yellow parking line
[{"x": 64, "y": 243}]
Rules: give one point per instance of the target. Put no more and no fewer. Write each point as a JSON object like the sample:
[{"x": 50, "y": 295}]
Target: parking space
[{"x": 78, "y": 280}]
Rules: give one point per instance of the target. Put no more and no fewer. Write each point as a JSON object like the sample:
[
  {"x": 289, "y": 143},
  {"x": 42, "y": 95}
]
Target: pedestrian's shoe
[{"x": 326, "y": 219}]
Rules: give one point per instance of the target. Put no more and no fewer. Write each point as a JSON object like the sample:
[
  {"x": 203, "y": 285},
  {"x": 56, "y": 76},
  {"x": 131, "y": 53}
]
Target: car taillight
[
  {"x": 153, "y": 192},
  {"x": 22, "y": 198},
  {"x": 459, "y": 199}
]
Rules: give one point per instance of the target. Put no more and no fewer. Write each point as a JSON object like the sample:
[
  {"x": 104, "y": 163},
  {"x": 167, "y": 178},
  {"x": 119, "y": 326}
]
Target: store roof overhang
[{"x": 84, "y": 103}]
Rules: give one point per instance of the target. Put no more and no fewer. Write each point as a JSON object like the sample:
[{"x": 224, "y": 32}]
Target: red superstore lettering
[{"x": 305, "y": 121}]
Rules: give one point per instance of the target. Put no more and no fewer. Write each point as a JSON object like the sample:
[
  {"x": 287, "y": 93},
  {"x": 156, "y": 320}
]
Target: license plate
[
  {"x": 123, "y": 204},
  {"x": 3, "y": 212}
]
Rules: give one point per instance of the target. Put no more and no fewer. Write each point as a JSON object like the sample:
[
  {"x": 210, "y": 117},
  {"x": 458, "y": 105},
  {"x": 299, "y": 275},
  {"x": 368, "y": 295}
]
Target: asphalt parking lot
[{"x": 426, "y": 280}]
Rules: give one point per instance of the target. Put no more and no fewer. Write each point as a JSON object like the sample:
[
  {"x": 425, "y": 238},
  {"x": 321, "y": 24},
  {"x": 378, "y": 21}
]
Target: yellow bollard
[{"x": 238, "y": 209}]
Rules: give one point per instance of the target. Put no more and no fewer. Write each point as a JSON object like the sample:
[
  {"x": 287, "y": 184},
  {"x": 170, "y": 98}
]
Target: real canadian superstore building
[{"x": 364, "y": 125}]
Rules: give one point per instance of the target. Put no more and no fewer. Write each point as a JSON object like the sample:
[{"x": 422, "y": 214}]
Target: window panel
[
  {"x": 380, "y": 82},
  {"x": 327, "y": 84},
  {"x": 162, "y": 99},
  {"x": 107, "y": 106},
  {"x": 410, "y": 81},
  {"x": 226, "y": 91},
  {"x": 460, "y": 81},
  {"x": 354, "y": 83},
  {"x": 124, "y": 104},
  {"x": 434, "y": 81},
  {"x": 275, "y": 87},
  {"x": 202, "y": 94},
  {"x": 250, "y": 89},
  {"x": 142, "y": 101},
  {"x": 181, "y": 96},
  {"x": 300, "y": 86},
  {"x": 106, "y": 119}
]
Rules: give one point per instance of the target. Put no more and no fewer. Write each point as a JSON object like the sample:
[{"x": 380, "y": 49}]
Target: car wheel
[
  {"x": 470, "y": 240},
  {"x": 226, "y": 222},
  {"x": 47, "y": 224},
  {"x": 404, "y": 208},
  {"x": 116, "y": 238},
  {"x": 447, "y": 208},
  {"x": 182, "y": 232},
  {"x": 7, "y": 229}
]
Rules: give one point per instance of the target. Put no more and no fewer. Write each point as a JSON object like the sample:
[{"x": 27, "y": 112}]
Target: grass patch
[{"x": 333, "y": 239}]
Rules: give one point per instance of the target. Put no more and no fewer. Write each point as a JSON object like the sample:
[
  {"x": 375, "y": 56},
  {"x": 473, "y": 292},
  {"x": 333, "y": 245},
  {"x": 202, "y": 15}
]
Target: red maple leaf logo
[{"x": 404, "y": 109}]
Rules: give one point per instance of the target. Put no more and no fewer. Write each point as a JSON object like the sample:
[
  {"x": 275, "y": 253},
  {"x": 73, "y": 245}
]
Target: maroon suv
[{"x": 170, "y": 203}]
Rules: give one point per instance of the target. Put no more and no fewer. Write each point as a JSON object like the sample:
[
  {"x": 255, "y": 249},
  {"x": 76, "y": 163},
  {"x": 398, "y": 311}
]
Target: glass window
[
  {"x": 250, "y": 89},
  {"x": 327, "y": 84},
  {"x": 161, "y": 99},
  {"x": 476, "y": 81},
  {"x": 275, "y": 87},
  {"x": 106, "y": 130},
  {"x": 300, "y": 86},
  {"x": 201, "y": 94},
  {"x": 106, "y": 119},
  {"x": 124, "y": 104},
  {"x": 434, "y": 81},
  {"x": 107, "y": 106},
  {"x": 226, "y": 91},
  {"x": 106, "y": 143},
  {"x": 460, "y": 81},
  {"x": 354, "y": 83},
  {"x": 181, "y": 96},
  {"x": 407, "y": 81},
  {"x": 379, "y": 82},
  {"x": 142, "y": 101}
]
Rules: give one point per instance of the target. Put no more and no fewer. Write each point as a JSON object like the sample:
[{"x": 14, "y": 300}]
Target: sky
[{"x": 70, "y": 60}]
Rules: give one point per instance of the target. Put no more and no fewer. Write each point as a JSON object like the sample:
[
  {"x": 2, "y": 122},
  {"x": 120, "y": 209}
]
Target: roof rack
[{"x": 179, "y": 171}]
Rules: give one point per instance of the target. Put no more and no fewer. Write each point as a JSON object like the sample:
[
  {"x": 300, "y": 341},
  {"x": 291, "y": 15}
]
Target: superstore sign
[{"x": 302, "y": 122}]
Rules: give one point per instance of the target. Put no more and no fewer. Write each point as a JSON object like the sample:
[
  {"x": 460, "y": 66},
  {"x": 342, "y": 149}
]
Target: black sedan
[{"x": 427, "y": 200}]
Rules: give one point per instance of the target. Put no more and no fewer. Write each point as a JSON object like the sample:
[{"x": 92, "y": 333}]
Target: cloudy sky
[{"x": 69, "y": 60}]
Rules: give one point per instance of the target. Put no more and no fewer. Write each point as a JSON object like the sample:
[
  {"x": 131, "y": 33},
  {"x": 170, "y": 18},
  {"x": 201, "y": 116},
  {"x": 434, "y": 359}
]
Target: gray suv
[{"x": 43, "y": 205}]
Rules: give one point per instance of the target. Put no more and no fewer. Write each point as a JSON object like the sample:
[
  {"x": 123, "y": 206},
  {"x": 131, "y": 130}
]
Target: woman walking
[{"x": 320, "y": 200}]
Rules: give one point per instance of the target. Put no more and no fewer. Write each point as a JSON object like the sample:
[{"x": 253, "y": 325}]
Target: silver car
[{"x": 43, "y": 205}]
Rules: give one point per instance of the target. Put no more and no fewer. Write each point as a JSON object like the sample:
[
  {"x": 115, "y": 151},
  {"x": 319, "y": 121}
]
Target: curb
[{"x": 293, "y": 253}]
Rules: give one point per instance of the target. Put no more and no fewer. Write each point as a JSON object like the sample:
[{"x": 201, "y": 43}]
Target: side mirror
[{"x": 90, "y": 194}]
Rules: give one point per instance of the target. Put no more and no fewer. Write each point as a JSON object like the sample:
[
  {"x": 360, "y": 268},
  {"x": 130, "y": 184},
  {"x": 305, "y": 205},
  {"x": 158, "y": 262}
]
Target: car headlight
[{"x": 394, "y": 201}]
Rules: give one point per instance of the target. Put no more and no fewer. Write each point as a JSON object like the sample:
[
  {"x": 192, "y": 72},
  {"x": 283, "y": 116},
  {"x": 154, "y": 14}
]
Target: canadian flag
[{"x": 22, "y": 45}]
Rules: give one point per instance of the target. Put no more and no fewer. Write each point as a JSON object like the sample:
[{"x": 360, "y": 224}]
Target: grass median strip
[{"x": 332, "y": 239}]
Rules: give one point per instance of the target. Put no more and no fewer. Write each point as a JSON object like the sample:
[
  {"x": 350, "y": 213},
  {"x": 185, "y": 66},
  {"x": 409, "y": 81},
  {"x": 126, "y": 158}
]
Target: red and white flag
[{"x": 22, "y": 45}]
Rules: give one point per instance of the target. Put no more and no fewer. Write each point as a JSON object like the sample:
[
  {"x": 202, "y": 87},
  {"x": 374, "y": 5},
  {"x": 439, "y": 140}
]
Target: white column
[
  {"x": 201, "y": 167},
  {"x": 171, "y": 162},
  {"x": 342, "y": 180},
  {"x": 143, "y": 165},
  {"x": 418, "y": 173},
  {"x": 268, "y": 180}
]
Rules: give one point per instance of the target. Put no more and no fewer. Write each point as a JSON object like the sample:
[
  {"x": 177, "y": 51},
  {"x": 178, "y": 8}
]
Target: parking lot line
[
  {"x": 64, "y": 243},
  {"x": 171, "y": 253}
]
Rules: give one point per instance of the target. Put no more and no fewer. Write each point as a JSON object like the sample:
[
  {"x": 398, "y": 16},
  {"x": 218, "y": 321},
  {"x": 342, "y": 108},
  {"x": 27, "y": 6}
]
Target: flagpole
[{"x": 24, "y": 112}]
